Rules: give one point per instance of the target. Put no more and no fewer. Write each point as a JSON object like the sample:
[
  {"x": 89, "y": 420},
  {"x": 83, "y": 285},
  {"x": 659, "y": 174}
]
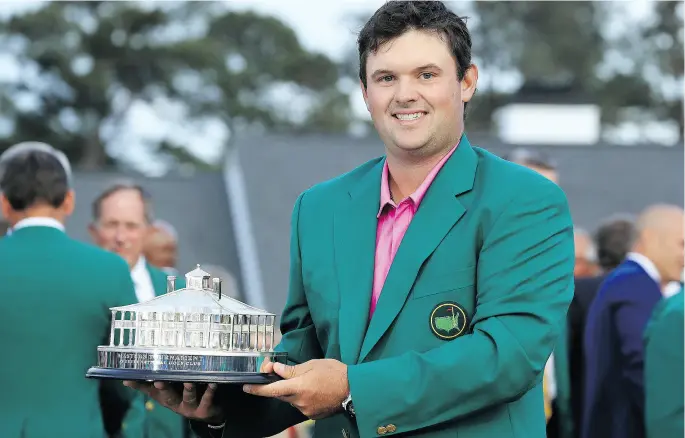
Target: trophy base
[{"x": 224, "y": 377}]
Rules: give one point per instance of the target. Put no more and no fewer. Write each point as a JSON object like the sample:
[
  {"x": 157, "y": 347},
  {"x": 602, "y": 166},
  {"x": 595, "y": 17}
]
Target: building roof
[{"x": 599, "y": 181}]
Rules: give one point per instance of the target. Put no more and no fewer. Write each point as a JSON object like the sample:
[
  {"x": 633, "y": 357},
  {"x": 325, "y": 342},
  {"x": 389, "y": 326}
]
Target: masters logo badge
[{"x": 448, "y": 320}]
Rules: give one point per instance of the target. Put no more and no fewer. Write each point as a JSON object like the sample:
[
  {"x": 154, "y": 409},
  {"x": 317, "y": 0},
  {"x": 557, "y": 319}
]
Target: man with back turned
[
  {"x": 427, "y": 286},
  {"x": 56, "y": 294}
]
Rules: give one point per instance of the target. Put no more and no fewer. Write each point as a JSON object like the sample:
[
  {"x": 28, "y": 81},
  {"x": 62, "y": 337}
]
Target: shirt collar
[
  {"x": 419, "y": 193},
  {"x": 646, "y": 264},
  {"x": 140, "y": 267},
  {"x": 37, "y": 222}
]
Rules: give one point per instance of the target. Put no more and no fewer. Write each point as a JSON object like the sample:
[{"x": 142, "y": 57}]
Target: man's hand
[
  {"x": 186, "y": 403},
  {"x": 316, "y": 388}
]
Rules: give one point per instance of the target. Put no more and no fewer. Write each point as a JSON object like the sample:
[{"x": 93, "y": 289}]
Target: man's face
[
  {"x": 414, "y": 95},
  {"x": 122, "y": 227},
  {"x": 584, "y": 266},
  {"x": 667, "y": 248},
  {"x": 161, "y": 249}
]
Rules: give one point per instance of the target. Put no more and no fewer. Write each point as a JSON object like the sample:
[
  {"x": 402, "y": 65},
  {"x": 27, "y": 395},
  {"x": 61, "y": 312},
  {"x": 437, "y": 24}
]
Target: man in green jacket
[
  {"x": 427, "y": 287},
  {"x": 56, "y": 294},
  {"x": 664, "y": 370},
  {"x": 122, "y": 217}
]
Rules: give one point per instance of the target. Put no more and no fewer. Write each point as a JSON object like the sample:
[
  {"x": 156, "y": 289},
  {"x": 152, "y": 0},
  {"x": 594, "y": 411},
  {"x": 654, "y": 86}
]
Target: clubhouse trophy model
[{"x": 194, "y": 334}]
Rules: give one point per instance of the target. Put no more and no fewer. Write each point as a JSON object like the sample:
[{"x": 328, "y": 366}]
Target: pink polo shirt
[{"x": 393, "y": 221}]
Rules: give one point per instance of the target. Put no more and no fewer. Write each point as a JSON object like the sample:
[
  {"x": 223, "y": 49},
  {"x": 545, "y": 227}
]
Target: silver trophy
[{"x": 194, "y": 334}]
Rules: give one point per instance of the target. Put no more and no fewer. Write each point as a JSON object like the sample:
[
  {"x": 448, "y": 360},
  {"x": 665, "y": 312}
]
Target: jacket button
[
  {"x": 391, "y": 428},
  {"x": 382, "y": 430},
  {"x": 149, "y": 405}
]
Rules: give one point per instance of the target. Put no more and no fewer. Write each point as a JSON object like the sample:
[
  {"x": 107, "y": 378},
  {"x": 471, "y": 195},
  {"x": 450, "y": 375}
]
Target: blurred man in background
[
  {"x": 161, "y": 247},
  {"x": 613, "y": 343},
  {"x": 56, "y": 293},
  {"x": 613, "y": 239},
  {"x": 122, "y": 218},
  {"x": 535, "y": 160},
  {"x": 586, "y": 254}
]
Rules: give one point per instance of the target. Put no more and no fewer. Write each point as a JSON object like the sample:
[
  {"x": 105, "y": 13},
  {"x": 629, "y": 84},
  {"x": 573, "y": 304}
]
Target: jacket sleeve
[
  {"x": 524, "y": 287},
  {"x": 664, "y": 370},
  {"x": 251, "y": 416}
]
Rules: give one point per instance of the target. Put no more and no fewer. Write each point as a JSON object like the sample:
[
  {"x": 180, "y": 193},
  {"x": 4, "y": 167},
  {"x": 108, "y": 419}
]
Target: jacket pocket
[{"x": 434, "y": 281}]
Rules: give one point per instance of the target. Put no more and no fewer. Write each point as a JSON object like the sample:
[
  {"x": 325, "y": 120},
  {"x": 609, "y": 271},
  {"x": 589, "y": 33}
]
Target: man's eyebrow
[
  {"x": 384, "y": 71},
  {"x": 430, "y": 66},
  {"x": 381, "y": 72}
]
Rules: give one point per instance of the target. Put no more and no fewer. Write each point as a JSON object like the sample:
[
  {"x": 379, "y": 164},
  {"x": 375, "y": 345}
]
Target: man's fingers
[
  {"x": 189, "y": 395},
  {"x": 267, "y": 366},
  {"x": 279, "y": 389},
  {"x": 207, "y": 398},
  {"x": 166, "y": 395},
  {"x": 288, "y": 371},
  {"x": 145, "y": 388}
]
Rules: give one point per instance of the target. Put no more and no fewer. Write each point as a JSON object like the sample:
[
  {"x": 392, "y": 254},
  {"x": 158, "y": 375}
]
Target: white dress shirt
[
  {"x": 651, "y": 270},
  {"x": 141, "y": 279},
  {"x": 36, "y": 222}
]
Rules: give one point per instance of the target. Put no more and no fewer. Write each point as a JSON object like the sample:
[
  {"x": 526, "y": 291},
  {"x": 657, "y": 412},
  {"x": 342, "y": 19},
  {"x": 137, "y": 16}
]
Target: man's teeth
[{"x": 412, "y": 116}]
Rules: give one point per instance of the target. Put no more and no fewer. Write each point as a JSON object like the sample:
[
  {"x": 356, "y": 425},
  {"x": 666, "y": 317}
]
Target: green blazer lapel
[
  {"x": 439, "y": 210},
  {"x": 354, "y": 230},
  {"x": 158, "y": 279}
]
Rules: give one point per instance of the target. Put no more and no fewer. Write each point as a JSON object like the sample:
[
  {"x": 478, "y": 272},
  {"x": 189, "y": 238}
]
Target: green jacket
[
  {"x": 56, "y": 294},
  {"x": 145, "y": 417},
  {"x": 469, "y": 314},
  {"x": 664, "y": 370}
]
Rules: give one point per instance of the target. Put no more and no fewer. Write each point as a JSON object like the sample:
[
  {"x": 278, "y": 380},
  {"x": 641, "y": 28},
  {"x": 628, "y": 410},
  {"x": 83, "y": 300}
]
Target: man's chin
[
  {"x": 129, "y": 259},
  {"x": 411, "y": 147}
]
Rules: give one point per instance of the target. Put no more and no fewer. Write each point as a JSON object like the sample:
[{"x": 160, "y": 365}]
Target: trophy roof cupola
[{"x": 197, "y": 279}]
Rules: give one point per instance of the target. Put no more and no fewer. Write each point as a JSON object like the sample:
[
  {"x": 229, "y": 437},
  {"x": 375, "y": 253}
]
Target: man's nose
[
  {"x": 120, "y": 236},
  {"x": 407, "y": 92}
]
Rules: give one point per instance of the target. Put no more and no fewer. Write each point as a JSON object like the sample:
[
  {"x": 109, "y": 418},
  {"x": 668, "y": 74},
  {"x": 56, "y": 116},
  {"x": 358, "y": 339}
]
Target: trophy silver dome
[{"x": 193, "y": 334}]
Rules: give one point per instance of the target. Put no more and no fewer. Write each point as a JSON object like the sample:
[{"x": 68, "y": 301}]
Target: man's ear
[
  {"x": 69, "y": 203},
  {"x": 469, "y": 83},
  {"x": 5, "y": 207},
  {"x": 93, "y": 232},
  {"x": 365, "y": 95}
]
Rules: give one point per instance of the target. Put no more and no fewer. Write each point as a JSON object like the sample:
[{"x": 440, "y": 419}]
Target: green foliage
[
  {"x": 567, "y": 44},
  {"x": 557, "y": 42},
  {"x": 95, "y": 60}
]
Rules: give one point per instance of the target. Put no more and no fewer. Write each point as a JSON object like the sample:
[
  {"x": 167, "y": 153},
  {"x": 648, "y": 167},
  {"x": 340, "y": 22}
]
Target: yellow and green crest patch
[{"x": 448, "y": 320}]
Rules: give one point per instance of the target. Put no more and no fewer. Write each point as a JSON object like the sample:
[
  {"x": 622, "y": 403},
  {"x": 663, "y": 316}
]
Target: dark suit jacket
[
  {"x": 585, "y": 292},
  {"x": 614, "y": 354}
]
